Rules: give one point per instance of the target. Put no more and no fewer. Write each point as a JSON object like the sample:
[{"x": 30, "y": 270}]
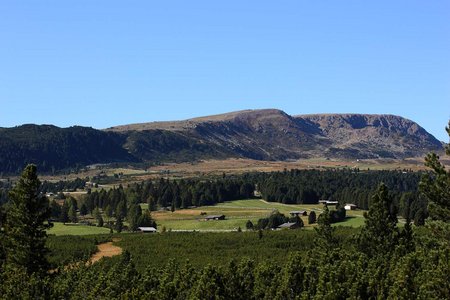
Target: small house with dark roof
[
  {"x": 215, "y": 217},
  {"x": 298, "y": 213},
  {"x": 147, "y": 229},
  {"x": 289, "y": 225}
]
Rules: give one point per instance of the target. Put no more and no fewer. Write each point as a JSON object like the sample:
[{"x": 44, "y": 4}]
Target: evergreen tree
[
  {"x": 83, "y": 210},
  {"x": 312, "y": 217},
  {"x": 134, "y": 215},
  {"x": 119, "y": 224},
  {"x": 249, "y": 225},
  {"x": 419, "y": 217},
  {"x": 73, "y": 202},
  {"x": 56, "y": 210},
  {"x": 380, "y": 233},
  {"x": 436, "y": 187},
  {"x": 151, "y": 203},
  {"x": 96, "y": 213},
  {"x": 109, "y": 211},
  {"x": 100, "y": 221},
  {"x": 64, "y": 216},
  {"x": 167, "y": 197},
  {"x": 26, "y": 224},
  {"x": 325, "y": 233},
  {"x": 405, "y": 204},
  {"x": 73, "y": 215},
  {"x": 406, "y": 239},
  {"x": 121, "y": 210},
  {"x": 146, "y": 220}
]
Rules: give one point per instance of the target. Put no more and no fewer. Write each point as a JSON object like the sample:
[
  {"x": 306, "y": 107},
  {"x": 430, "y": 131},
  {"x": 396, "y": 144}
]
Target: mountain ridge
[{"x": 268, "y": 134}]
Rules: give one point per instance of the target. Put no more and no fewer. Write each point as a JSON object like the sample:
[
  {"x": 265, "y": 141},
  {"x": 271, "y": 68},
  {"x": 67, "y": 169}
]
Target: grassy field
[
  {"x": 74, "y": 229},
  {"x": 237, "y": 213},
  {"x": 351, "y": 221}
]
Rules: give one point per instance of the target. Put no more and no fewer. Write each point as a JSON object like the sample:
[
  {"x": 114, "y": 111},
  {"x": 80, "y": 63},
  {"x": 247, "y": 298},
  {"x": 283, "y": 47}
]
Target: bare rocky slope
[
  {"x": 272, "y": 134},
  {"x": 267, "y": 134},
  {"x": 372, "y": 136}
]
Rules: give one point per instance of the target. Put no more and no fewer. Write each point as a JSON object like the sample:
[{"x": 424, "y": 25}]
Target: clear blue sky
[{"x": 105, "y": 63}]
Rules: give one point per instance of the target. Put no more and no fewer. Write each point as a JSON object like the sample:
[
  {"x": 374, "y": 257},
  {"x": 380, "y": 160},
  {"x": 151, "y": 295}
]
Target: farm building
[
  {"x": 147, "y": 229},
  {"x": 289, "y": 225},
  {"x": 217, "y": 217},
  {"x": 350, "y": 206},
  {"x": 298, "y": 213}
]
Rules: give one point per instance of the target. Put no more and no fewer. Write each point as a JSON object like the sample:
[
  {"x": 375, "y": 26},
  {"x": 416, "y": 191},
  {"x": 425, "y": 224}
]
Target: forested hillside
[{"x": 52, "y": 148}]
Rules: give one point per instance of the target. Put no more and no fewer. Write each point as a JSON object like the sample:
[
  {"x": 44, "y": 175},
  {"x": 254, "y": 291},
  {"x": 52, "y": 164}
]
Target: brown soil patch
[{"x": 106, "y": 250}]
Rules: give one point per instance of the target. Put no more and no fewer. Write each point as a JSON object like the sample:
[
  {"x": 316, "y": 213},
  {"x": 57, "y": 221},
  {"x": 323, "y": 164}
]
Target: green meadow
[
  {"x": 237, "y": 213},
  {"x": 75, "y": 229}
]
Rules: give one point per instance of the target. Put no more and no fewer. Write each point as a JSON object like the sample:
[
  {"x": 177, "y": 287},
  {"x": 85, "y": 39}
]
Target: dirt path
[{"x": 106, "y": 250}]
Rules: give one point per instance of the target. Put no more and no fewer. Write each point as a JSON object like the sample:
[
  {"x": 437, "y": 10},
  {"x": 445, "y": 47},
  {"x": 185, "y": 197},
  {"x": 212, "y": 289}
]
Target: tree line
[{"x": 63, "y": 185}]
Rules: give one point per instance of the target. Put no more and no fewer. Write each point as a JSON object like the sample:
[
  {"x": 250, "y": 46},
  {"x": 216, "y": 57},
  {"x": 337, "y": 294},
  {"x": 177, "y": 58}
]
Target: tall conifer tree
[
  {"x": 26, "y": 224},
  {"x": 436, "y": 188},
  {"x": 380, "y": 233}
]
